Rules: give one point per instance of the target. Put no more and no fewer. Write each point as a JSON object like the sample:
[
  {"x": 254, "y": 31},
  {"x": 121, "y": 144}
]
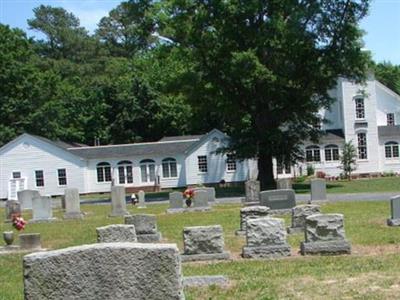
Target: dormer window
[
  {"x": 360, "y": 110},
  {"x": 390, "y": 119}
]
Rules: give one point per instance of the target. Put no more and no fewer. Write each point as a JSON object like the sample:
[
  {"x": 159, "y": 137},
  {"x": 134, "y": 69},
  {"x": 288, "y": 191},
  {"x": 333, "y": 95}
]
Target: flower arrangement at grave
[
  {"x": 18, "y": 223},
  {"x": 188, "y": 194}
]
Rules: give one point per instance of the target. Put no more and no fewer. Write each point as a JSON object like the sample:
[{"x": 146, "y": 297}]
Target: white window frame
[
  {"x": 147, "y": 168},
  {"x": 169, "y": 165},
  {"x": 315, "y": 152},
  {"x": 202, "y": 164},
  {"x": 101, "y": 167},
  {"x": 127, "y": 172},
  {"x": 63, "y": 177},
  {"x": 36, "y": 179},
  {"x": 362, "y": 146},
  {"x": 359, "y": 108},
  {"x": 393, "y": 149},
  {"x": 390, "y": 119},
  {"x": 333, "y": 151},
  {"x": 231, "y": 164}
]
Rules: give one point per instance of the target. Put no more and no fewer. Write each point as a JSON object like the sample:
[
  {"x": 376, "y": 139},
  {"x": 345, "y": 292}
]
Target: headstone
[
  {"x": 63, "y": 202},
  {"x": 299, "y": 215},
  {"x": 13, "y": 207},
  {"x": 266, "y": 238},
  {"x": 252, "y": 189},
  {"x": 318, "y": 189},
  {"x": 30, "y": 241},
  {"x": 145, "y": 226},
  {"x": 72, "y": 204},
  {"x": 200, "y": 199},
  {"x": 118, "y": 201},
  {"x": 284, "y": 184},
  {"x": 115, "y": 271},
  {"x": 250, "y": 213},
  {"x": 41, "y": 210},
  {"x": 278, "y": 199},
  {"x": 203, "y": 243},
  {"x": 175, "y": 202},
  {"x": 25, "y": 197},
  {"x": 210, "y": 192},
  {"x": 394, "y": 211},
  {"x": 141, "y": 196},
  {"x": 116, "y": 233},
  {"x": 324, "y": 234}
]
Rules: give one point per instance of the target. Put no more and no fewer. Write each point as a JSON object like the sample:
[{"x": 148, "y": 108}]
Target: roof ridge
[{"x": 131, "y": 144}]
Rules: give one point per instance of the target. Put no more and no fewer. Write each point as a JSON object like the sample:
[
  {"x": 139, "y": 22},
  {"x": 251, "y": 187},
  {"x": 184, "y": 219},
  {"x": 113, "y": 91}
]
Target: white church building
[
  {"x": 33, "y": 162},
  {"x": 368, "y": 115}
]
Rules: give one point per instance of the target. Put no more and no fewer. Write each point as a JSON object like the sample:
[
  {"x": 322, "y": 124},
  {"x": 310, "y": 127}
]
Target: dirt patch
[{"x": 375, "y": 250}]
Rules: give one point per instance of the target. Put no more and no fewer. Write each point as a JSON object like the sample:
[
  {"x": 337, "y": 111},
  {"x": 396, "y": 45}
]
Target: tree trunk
[{"x": 266, "y": 172}]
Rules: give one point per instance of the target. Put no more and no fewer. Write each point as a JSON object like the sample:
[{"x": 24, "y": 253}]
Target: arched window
[
  {"x": 391, "y": 150},
  {"x": 125, "y": 172},
  {"x": 169, "y": 167},
  {"x": 331, "y": 153},
  {"x": 103, "y": 172},
  {"x": 148, "y": 170},
  {"x": 313, "y": 154}
]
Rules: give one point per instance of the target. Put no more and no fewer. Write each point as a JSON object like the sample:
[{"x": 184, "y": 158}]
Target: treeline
[{"x": 121, "y": 84}]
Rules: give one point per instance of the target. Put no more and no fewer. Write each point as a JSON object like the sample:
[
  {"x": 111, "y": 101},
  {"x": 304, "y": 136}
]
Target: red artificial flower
[{"x": 19, "y": 223}]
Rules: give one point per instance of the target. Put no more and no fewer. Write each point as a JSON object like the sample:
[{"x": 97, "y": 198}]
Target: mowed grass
[{"x": 371, "y": 272}]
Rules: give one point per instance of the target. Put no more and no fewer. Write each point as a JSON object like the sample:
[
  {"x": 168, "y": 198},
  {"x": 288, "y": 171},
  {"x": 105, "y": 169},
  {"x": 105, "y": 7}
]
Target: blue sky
[{"x": 382, "y": 26}]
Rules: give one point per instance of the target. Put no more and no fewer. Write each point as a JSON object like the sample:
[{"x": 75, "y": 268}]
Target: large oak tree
[{"x": 265, "y": 67}]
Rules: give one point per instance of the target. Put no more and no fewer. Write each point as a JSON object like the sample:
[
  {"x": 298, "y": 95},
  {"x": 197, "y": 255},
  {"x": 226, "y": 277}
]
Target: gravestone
[
  {"x": 250, "y": 213},
  {"x": 25, "y": 197},
  {"x": 13, "y": 207},
  {"x": 30, "y": 241},
  {"x": 299, "y": 215},
  {"x": 203, "y": 243},
  {"x": 41, "y": 210},
  {"x": 200, "y": 199},
  {"x": 72, "y": 204},
  {"x": 118, "y": 201},
  {"x": 209, "y": 190},
  {"x": 115, "y": 271},
  {"x": 145, "y": 226},
  {"x": 318, "y": 189},
  {"x": 252, "y": 190},
  {"x": 394, "y": 211},
  {"x": 63, "y": 202},
  {"x": 266, "y": 238},
  {"x": 324, "y": 234},
  {"x": 284, "y": 184},
  {"x": 116, "y": 233},
  {"x": 141, "y": 196},
  {"x": 278, "y": 199},
  {"x": 175, "y": 202}
]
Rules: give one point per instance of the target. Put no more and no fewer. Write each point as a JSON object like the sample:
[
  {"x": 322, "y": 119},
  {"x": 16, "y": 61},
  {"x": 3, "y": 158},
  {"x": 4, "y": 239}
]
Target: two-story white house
[
  {"x": 369, "y": 116},
  {"x": 33, "y": 162}
]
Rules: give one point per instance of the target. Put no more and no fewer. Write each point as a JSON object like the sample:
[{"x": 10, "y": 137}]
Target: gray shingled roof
[
  {"x": 334, "y": 133},
  {"x": 181, "y": 138},
  {"x": 389, "y": 130},
  {"x": 139, "y": 149}
]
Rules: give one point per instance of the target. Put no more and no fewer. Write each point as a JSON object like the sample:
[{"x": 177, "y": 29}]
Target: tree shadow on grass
[{"x": 303, "y": 188}]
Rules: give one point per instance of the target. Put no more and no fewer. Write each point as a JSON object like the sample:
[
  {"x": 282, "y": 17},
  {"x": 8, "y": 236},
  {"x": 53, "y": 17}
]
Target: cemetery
[{"x": 244, "y": 249}]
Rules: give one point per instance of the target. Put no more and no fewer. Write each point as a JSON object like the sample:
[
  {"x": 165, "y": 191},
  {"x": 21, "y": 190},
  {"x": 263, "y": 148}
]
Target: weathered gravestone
[
  {"x": 141, "y": 195},
  {"x": 203, "y": 243},
  {"x": 266, "y": 238},
  {"x": 145, "y": 226},
  {"x": 175, "y": 202},
  {"x": 252, "y": 190},
  {"x": 72, "y": 204},
  {"x": 278, "y": 200},
  {"x": 318, "y": 189},
  {"x": 250, "y": 213},
  {"x": 30, "y": 241},
  {"x": 25, "y": 197},
  {"x": 284, "y": 184},
  {"x": 13, "y": 207},
  {"x": 115, "y": 271},
  {"x": 299, "y": 215},
  {"x": 41, "y": 210},
  {"x": 200, "y": 200},
  {"x": 394, "y": 211},
  {"x": 116, "y": 233},
  {"x": 210, "y": 192},
  {"x": 118, "y": 201},
  {"x": 324, "y": 234}
]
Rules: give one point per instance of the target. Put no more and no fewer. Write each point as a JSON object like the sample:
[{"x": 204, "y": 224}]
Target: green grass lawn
[{"x": 371, "y": 272}]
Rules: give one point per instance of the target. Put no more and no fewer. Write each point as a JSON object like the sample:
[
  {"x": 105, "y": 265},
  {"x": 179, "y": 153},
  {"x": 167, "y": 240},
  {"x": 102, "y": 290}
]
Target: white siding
[
  {"x": 28, "y": 154},
  {"x": 217, "y": 170},
  {"x": 387, "y": 102}
]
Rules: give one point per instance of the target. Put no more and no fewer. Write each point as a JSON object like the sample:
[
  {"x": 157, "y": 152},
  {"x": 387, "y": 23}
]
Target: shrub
[
  {"x": 310, "y": 170},
  {"x": 321, "y": 174}
]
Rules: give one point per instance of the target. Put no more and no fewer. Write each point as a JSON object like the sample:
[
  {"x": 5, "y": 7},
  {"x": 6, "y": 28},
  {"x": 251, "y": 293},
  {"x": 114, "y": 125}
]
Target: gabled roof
[
  {"x": 389, "y": 130},
  {"x": 334, "y": 133},
  {"x": 181, "y": 138}
]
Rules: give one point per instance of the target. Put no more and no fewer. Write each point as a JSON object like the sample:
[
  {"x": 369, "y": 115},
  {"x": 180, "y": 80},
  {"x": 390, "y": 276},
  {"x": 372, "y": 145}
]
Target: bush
[
  {"x": 321, "y": 174},
  {"x": 310, "y": 170},
  {"x": 300, "y": 179},
  {"x": 388, "y": 174}
]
